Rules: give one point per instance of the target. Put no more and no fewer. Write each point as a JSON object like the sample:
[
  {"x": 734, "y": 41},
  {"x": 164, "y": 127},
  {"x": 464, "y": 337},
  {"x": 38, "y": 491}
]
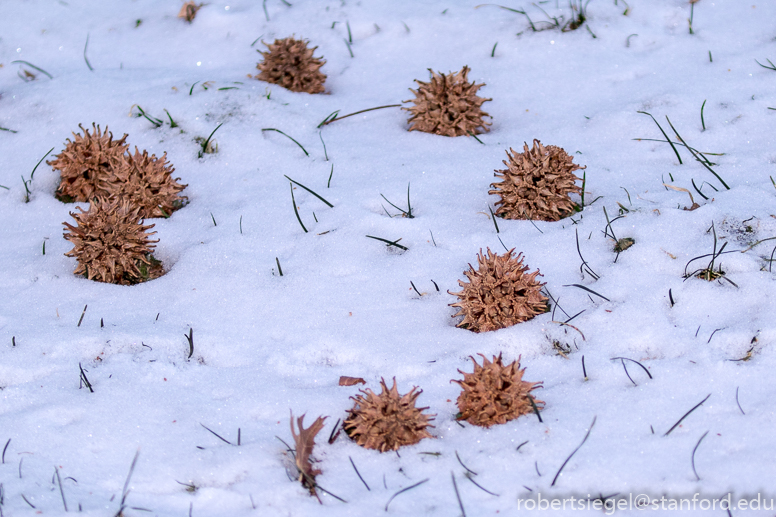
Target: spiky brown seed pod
[
  {"x": 110, "y": 243},
  {"x": 448, "y": 105},
  {"x": 387, "y": 421},
  {"x": 290, "y": 63},
  {"x": 147, "y": 182},
  {"x": 536, "y": 184},
  {"x": 84, "y": 161},
  {"x": 499, "y": 294},
  {"x": 494, "y": 393}
]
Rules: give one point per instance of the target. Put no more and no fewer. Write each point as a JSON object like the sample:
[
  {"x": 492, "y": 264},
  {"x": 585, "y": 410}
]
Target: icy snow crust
[{"x": 265, "y": 345}]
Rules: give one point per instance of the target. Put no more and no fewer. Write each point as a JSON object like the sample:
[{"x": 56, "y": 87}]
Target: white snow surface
[{"x": 266, "y": 345}]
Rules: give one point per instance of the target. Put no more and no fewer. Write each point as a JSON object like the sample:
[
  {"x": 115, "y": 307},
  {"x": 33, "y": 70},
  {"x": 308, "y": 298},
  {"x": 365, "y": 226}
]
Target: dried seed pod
[
  {"x": 147, "y": 182},
  {"x": 448, "y": 105},
  {"x": 84, "y": 161},
  {"x": 189, "y": 11},
  {"x": 290, "y": 63},
  {"x": 387, "y": 421},
  {"x": 494, "y": 393},
  {"x": 499, "y": 294},
  {"x": 536, "y": 184},
  {"x": 111, "y": 245}
]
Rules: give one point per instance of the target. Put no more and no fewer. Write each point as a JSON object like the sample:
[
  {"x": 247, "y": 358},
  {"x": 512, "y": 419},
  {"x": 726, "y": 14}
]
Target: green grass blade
[
  {"x": 285, "y": 135},
  {"x": 310, "y": 191}
]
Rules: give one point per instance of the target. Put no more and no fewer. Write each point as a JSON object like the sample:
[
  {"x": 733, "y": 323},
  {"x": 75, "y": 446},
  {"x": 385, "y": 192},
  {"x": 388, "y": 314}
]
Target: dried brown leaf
[
  {"x": 350, "y": 381},
  {"x": 305, "y": 441}
]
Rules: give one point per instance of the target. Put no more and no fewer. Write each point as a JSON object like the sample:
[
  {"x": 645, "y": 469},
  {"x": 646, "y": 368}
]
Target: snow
[{"x": 265, "y": 344}]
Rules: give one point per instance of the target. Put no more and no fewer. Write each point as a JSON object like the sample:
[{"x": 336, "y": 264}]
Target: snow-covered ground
[{"x": 265, "y": 344}]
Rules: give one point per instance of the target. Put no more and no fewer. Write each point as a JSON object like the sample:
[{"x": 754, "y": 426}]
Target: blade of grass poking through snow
[
  {"x": 285, "y": 135},
  {"x": 280, "y": 270},
  {"x": 696, "y": 156},
  {"x": 86, "y": 46},
  {"x": 584, "y": 266},
  {"x": 555, "y": 479},
  {"x": 9, "y": 442},
  {"x": 475, "y": 137},
  {"x": 293, "y": 203},
  {"x": 457, "y": 495},
  {"x": 206, "y": 143},
  {"x": 390, "y": 243},
  {"x": 172, "y": 122},
  {"x": 535, "y": 408},
  {"x": 347, "y": 43},
  {"x": 692, "y": 458},
  {"x": 588, "y": 290},
  {"x": 737, "y": 403},
  {"x": 310, "y": 191},
  {"x": 325, "y": 154},
  {"x": 61, "y": 491},
  {"x": 633, "y": 361},
  {"x": 216, "y": 434},
  {"x": 333, "y": 117},
  {"x": 153, "y": 120},
  {"x": 664, "y": 134},
  {"x": 699, "y": 404},
  {"x": 350, "y": 35},
  {"x": 404, "y": 490},
  {"x": 359, "y": 474},
  {"x": 125, "y": 490},
  {"x": 772, "y": 67},
  {"x": 191, "y": 90},
  {"x": 328, "y": 183},
  {"x": 703, "y": 122},
  {"x": 39, "y": 162},
  {"x": 493, "y": 52},
  {"x": 214, "y": 219},
  {"x": 9, "y": 130},
  {"x": 35, "y": 67},
  {"x": 495, "y": 223},
  {"x": 190, "y": 339},
  {"x": 84, "y": 380},
  {"x": 408, "y": 212}
]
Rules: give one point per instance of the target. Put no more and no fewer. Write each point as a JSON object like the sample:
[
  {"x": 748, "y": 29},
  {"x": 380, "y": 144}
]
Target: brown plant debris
[
  {"x": 536, "y": 184},
  {"x": 189, "y": 11},
  {"x": 111, "y": 245},
  {"x": 387, "y": 421},
  {"x": 147, "y": 182},
  {"x": 304, "y": 443},
  {"x": 448, "y": 105},
  {"x": 290, "y": 63},
  {"x": 494, "y": 393},
  {"x": 84, "y": 161},
  {"x": 344, "y": 380},
  {"x": 499, "y": 294}
]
